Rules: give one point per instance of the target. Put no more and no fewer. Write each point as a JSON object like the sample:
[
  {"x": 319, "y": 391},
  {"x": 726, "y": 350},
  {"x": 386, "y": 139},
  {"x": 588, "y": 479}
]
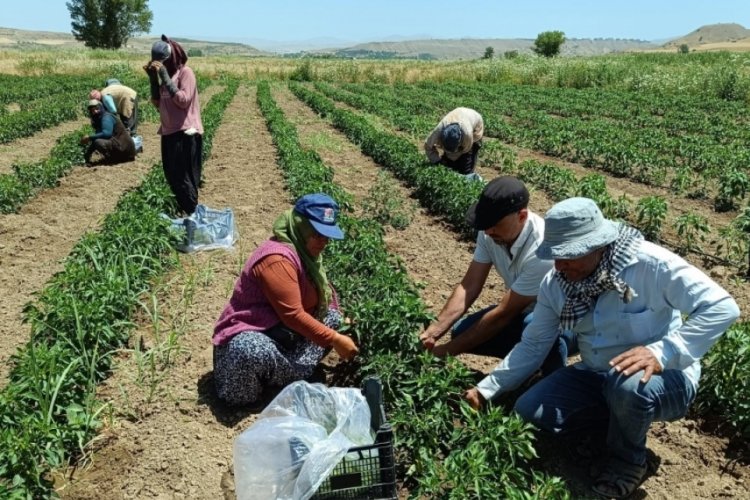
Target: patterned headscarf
[
  {"x": 290, "y": 227},
  {"x": 580, "y": 296}
]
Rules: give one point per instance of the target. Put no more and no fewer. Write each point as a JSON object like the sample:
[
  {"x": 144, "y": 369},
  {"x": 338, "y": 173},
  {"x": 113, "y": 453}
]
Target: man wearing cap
[
  {"x": 120, "y": 99},
  {"x": 509, "y": 234},
  {"x": 624, "y": 299},
  {"x": 110, "y": 137},
  {"x": 456, "y": 140}
]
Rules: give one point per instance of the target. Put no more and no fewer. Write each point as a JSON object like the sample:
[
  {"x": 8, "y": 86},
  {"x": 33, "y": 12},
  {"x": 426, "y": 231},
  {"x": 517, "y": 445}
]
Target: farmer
[
  {"x": 509, "y": 234},
  {"x": 283, "y": 314},
  {"x": 624, "y": 298},
  {"x": 456, "y": 140},
  {"x": 174, "y": 92},
  {"x": 117, "y": 98},
  {"x": 110, "y": 138}
]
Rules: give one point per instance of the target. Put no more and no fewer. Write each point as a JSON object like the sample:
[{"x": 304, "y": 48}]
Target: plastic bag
[
  {"x": 206, "y": 229},
  {"x": 298, "y": 440}
]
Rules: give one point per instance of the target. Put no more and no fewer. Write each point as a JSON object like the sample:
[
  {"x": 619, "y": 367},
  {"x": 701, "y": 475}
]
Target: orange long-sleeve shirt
[{"x": 278, "y": 281}]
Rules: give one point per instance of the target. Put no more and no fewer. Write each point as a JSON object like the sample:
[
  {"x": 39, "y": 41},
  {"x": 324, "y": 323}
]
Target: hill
[
  {"x": 473, "y": 48},
  {"x": 714, "y": 37},
  {"x": 16, "y": 39}
]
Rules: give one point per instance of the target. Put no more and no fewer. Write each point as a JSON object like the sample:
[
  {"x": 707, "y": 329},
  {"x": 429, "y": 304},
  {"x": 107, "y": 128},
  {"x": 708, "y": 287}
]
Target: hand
[
  {"x": 474, "y": 398},
  {"x": 637, "y": 359},
  {"x": 344, "y": 347},
  {"x": 441, "y": 350},
  {"x": 85, "y": 140},
  {"x": 156, "y": 66},
  {"x": 429, "y": 337}
]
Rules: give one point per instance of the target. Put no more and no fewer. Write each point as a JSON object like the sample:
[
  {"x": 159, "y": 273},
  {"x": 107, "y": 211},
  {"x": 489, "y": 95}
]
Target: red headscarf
[{"x": 177, "y": 57}]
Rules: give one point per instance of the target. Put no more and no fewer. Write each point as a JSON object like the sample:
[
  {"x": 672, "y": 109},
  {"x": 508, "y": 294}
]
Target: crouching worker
[
  {"x": 110, "y": 137},
  {"x": 455, "y": 142},
  {"x": 283, "y": 314},
  {"x": 624, "y": 298}
]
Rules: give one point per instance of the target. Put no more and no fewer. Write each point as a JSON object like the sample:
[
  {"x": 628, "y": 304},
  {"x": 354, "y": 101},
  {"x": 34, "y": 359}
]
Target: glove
[
  {"x": 154, "y": 81},
  {"x": 166, "y": 81}
]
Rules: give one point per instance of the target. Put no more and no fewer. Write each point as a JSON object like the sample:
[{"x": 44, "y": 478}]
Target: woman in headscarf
[
  {"x": 283, "y": 314},
  {"x": 175, "y": 93},
  {"x": 110, "y": 137}
]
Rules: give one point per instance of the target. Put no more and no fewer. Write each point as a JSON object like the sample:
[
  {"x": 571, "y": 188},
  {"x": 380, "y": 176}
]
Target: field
[{"x": 113, "y": 397}]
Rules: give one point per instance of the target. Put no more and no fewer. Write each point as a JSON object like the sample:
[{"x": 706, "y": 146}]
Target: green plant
[
  {"x": 303, "y": 73},
  {"x": 725, "y": 364},
  {"x": 385, "y": 204},
  {"x": 691, "y": 228},
  {"x": 650, "y": 214}
]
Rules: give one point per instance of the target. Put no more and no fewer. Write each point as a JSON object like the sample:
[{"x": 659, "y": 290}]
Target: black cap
[{"x": 500, "y": 197}]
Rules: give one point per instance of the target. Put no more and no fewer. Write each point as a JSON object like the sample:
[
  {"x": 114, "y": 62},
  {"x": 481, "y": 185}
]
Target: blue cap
[
  {"x": 452, "y": 136},
  {"x": 322, "y": 212}
]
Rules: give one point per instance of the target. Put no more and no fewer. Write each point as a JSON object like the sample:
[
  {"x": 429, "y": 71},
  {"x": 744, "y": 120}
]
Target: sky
[{"x": 361, "y": 21}]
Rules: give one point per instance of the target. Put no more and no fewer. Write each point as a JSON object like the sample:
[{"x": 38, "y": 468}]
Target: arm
[
  {"x": 109, "y": 103},
  {"x": 108, "y": 128},
  {"x": 478, "y": 128},
  {"x": 182, "y": 94},
  {"x": 527, "y": 356},
  {"x": 279, "y": 283},
  {"x": 491, "y": 323},
  {"x": 709, "y": 310},
  {"x": 431, "y": 145},
  {"x": 461, "y": 299}
]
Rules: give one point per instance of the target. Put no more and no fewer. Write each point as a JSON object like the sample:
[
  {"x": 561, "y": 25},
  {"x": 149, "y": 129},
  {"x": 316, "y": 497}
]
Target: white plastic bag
[
  {"x": 206, "y": 229},
  {"x": 298, "y": 440}
]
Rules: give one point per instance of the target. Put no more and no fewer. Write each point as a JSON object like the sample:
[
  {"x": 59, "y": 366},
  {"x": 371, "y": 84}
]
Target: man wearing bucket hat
[
  {"x": 283, "y": 314},
  {"x": 509, "y": 234},
  {"x": 624, "y": 298},
  {"x": 456, "y": 140}
]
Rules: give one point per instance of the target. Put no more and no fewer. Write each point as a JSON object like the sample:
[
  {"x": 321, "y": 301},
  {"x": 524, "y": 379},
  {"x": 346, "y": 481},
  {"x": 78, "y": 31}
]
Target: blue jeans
[
  {"x": 573, "y": 399},
  {"x": 501, "y": 344}
]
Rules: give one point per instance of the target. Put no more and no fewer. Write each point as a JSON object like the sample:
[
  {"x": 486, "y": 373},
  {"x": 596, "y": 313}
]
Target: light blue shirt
[{"x": 666, "y": 288}]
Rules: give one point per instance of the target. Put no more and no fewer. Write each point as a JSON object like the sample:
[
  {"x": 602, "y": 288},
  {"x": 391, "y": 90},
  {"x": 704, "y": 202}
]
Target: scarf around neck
[
  {"x": 292, "y": 228},
  {"x": 580, "y": 296}
]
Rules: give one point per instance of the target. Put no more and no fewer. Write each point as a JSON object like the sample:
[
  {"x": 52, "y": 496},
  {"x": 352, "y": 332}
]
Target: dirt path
[
  {"x": 179, "y": 443},
  {"x": 34, "y": 148},
  {"x": 34, "y": 242}
]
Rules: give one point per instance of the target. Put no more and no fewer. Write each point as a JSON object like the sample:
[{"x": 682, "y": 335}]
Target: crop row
[
  {"x": 48, "y": 408},
  {"x": 731, "y": 244},
  {"x": 718, "y": 395},
  {"x": 656, "y": 150},
  {"x": 439, "y": 438}
]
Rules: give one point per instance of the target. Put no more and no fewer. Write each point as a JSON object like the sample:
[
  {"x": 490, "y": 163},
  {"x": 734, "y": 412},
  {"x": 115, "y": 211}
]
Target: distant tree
[
  {"x": 489, "y": 53},
  {"x": 195, "y": 53},
  {"x": 510, "y": 54},
  {"x": 108, "y": 24},
  {"x": 548, "y": 43},
  {"x": 683, "y": 49}
]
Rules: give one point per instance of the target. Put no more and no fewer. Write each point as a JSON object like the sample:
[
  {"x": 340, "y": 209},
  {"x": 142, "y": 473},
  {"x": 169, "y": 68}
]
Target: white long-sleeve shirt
[
  {"x": 666, "y": 287},
  {"x": 472, "y": 130}
]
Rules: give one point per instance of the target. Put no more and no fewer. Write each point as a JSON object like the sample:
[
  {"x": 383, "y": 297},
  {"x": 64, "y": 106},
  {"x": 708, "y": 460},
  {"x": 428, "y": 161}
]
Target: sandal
[{"x": 619, "y": 479}]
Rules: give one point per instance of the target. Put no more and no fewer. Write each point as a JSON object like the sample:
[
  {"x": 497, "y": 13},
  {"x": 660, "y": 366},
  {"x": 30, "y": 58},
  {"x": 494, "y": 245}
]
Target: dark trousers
[
  {"x": 465, "y": 163},
  {"x": 182, "y": 159},
  {"x": 110, "y": 150},
  {"x": 501, "y": 344},
  {"x": 131, "y": 123}
]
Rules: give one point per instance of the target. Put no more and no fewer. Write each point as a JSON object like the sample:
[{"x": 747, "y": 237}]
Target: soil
[
  {"x": 165, "y": 435},
  {"x": 36, "y": 147}
]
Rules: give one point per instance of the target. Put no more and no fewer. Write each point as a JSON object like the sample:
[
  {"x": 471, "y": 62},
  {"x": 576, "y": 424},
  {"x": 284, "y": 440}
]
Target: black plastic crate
[{"x": 366, "y": 472}]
